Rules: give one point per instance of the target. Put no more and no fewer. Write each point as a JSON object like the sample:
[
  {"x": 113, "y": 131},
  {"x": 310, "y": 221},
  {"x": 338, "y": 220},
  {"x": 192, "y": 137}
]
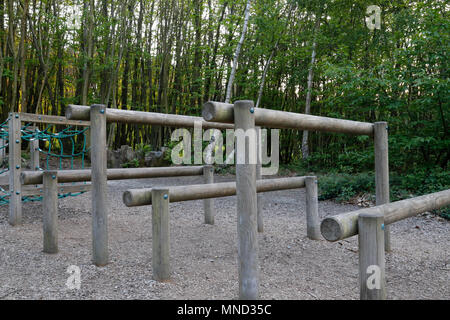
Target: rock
[
  {"x": 155, "y": 159},
  {"x": 127, "y": 153},
  {"x": 113, "y": 157},
  {"x": 116, "y": 158}
]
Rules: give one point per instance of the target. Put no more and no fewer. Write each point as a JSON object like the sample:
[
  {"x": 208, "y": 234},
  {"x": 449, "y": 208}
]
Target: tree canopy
[{"x": 173, "y": 55}]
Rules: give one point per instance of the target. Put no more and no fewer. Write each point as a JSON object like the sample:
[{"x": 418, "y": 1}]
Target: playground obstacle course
[
  {"x": 245, "y": 116},
  {"x": 241, "y": 115},
  {"x": 99, "y": 115},
  {"x": 50, "y": 180},
  {"x": 11, "y": 137},
  {"x": 160, "y": 198}
]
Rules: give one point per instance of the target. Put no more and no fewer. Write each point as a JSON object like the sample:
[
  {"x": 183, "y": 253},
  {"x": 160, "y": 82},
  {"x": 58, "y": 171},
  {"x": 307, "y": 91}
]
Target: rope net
[{"x": 65, "y": 145}]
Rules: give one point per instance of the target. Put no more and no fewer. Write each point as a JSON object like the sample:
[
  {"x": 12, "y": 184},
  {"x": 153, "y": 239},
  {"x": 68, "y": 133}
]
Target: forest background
[{"x": 315, "y": 57}]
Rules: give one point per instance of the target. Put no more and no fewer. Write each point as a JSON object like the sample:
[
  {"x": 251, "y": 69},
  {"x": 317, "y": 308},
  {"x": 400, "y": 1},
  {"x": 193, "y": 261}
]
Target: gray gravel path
[{"x": 204, "y": 257}]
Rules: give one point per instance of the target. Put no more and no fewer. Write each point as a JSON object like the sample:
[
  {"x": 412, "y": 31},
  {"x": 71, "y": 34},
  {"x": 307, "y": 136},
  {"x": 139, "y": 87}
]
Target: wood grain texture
[
  {"x": 50, "y": 211},
  {"x": 58, "y": 120},
  {"x": 160, "y": 234},
  {"x": 142, "y": 197},
  {"x": 312, "y": 209},
  {"x": 259, "y": 197},
  {"x": 34, "y": 153},
  {"x": 75, "y": 112},
  {"x": 208, "y": 204},
  {"x": 247, "y": 226},
  {"x": 221, "y": 112},
  {"x": 381, "y": 146},
  {"x": 371, "y": 257},
  {"x": 15, "y": 168},
  {"x": 345, "y": 225},
  {"x": 31, "y": 177},
  {"x": 99, "y": 186}
]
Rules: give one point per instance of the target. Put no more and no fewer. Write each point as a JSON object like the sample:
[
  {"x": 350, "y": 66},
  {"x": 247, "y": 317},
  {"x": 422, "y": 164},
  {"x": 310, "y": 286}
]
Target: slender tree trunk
[
  {"x": 213, "y": 63},
  {"x": 89, "y": 43},
  {"x": 196, "y": 76},
  {"x": 263, "y": 79},
  {"x": 22, "y": 49},
  {"x": 305, "y": 145},
  {"x": 237, "y": 52},
  {"x": 14, "y": 53}
]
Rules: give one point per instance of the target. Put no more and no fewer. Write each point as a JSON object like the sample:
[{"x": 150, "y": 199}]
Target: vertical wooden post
[
  {"x": 99, "y": 185},
  {"x": 2, "y": 149},
  {"x": 15, "y": 164},
  {"x": 259, "y": 196},
  {"x": 34, "y": 152},
  {"x": 382, "y": 171},
  {"x": 208, "y": 204},
  {"x": 50, "y": 211},
  {"x": 372, "y": 280},
  {"x": 160, "y": 234},
  {"x": 312, "y": 209},
  {"x": 244, "y": 120}
]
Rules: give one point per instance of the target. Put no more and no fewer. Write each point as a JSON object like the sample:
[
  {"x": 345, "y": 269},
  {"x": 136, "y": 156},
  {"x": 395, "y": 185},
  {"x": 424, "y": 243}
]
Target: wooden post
[
  {"x": 382, "y": 171},
  {"x": 312, "y": 209},
  {"x": 87, "y": 135},
  {"x": 246, "y": 203},
  {"x": 160, "y": 234},
  {"x": 2, "y": 149},
  {"x": 259, "y": 197},
  {"x": 15, "y": 164},
  {"x": 99, "y": 186},
  {"x": 34, "y": 152},
  {"x": 372, "y": 280},
  {"x": 50, "y": 211},
  {"x": 208, "y": 204}
]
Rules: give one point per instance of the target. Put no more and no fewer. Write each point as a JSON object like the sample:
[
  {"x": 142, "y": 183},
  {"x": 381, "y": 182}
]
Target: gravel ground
[{"x": 204, "y": 257}]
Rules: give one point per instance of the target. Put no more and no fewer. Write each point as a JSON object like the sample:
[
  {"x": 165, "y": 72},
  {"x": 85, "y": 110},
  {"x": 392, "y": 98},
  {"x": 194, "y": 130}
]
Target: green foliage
[
  {"x": 343, "y": 187},
  {"x": 135, "y": 163},
  {"x": 129, "y": 59},
  {"x": 142, "y": 150},
  {"x": 26, "y": 155}
]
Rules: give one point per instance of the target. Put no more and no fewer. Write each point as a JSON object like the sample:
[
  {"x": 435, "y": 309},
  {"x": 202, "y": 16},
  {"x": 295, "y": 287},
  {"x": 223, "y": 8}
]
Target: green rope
[{"x": 28, "y": 133}]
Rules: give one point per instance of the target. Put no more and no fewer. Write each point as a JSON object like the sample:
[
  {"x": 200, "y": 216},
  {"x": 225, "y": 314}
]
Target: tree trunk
[
  {"x": 236, "y": 54},
  {"x": 305, "y": 145},
  {"x": 88, "y": 39},
  {"x": 22, "y": 49}
]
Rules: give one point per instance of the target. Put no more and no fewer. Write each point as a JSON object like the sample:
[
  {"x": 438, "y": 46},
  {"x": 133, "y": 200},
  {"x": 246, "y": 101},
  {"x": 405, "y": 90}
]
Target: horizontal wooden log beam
[
  {"x": 345, "y": 225},
  {"x": 37, "y": 190},
  {"x": 36, "y": 177},
  {"x": 223, "y": 112},
  {"x": 74, "y": 112},
  {"x": 37, "y": 118},
  {"x": 142, "y": 197}
]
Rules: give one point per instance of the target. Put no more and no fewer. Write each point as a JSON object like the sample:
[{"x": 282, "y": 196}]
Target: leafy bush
[
  {"x": 343, "y": 187},
  {"x": 132, "y": 164}
]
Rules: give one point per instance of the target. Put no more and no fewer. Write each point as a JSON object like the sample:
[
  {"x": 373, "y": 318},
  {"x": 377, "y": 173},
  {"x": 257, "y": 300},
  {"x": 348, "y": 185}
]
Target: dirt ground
[{"x": 204, "y": 257}]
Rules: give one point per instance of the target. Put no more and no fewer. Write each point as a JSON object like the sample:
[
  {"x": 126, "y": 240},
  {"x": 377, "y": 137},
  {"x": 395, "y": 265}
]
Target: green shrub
[{"x": 343, "y": 187}]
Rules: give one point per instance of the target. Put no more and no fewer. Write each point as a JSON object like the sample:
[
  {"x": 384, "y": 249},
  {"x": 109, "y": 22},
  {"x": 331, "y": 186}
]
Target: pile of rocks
[{"x": 126, "y": 154}]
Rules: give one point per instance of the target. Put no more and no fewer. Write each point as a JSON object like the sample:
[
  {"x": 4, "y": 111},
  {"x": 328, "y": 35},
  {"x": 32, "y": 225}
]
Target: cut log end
[
  {"x": 69, "y": 112},
  {"x": 127, "y": 199},
  {"x": 331, "y": 229},
  {"x": 208, "y": 112}
]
